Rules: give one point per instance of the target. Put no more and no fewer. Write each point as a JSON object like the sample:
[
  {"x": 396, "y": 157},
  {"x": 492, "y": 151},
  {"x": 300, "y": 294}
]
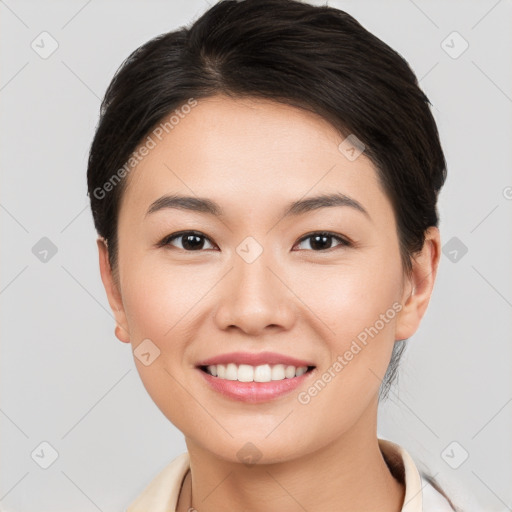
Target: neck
[{"x": 348, "y": 474}]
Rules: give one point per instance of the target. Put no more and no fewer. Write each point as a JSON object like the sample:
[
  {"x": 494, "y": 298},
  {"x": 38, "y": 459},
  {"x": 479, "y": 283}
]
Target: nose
[{"x": 254, "y": 298}]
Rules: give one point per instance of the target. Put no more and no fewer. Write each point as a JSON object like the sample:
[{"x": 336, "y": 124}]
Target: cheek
[
  {"x": 351, "y": 298},
  {"x": 359, "y": 304},
  {"x": 159, "y": 303},
  {"x": 159, "y": 297},
  {"x": 158, "y": 310}
]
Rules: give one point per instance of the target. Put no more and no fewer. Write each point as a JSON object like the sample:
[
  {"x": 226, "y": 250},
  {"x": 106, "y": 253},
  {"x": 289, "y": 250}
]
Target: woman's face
[{"x": 253, "y": 281}]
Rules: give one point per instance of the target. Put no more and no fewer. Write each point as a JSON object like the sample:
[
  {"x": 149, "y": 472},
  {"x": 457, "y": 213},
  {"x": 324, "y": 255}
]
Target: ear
[
  {"x": 113, "y": 293},
  {"x": 419, "y": 285}
]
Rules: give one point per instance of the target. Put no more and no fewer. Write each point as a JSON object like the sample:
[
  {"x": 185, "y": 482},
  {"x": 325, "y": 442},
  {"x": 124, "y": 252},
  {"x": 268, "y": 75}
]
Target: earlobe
[
  {"x": 420, "y": 285},
  {"x": 113, "y": 294}
]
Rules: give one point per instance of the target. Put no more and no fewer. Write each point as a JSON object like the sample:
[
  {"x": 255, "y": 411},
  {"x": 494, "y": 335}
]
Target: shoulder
[
  {"x": 433, "y": 500},
  {"x": 161, "y": 494},
  {"x": 421, "y": 494}
]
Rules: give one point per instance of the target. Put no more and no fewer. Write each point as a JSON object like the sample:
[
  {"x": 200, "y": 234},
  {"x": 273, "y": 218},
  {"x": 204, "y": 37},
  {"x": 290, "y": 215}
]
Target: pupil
[
  {"x": 192, "y": 242},
  {"x": 322, "y": 238}
]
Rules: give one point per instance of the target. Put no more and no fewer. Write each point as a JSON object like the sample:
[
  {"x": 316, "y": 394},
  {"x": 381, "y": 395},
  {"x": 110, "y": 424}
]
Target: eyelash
[{"x": 344, "y": 242}]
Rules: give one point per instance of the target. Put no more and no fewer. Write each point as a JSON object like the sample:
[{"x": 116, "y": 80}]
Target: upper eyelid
[{"x": 327, "y": 233}]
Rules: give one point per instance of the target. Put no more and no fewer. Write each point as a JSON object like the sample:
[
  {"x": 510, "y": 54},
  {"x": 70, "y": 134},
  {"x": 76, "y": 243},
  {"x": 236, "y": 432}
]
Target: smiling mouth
[{"x": 260, "y": 373}]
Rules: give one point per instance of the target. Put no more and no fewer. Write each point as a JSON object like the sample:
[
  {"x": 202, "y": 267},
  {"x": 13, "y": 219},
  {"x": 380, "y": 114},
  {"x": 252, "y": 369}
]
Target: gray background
[{"x": 67, "y": 381}]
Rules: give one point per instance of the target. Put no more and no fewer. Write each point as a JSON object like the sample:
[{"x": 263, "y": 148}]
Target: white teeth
[
  {"x": 301, "y": 370},
  {"x": 261, "y": 373},
  {"x": 231, "y": 372},
  {"x": 278, "y": 372},
  {"x": 289, "y": 372},
  {"x": 245, "y": 373}
]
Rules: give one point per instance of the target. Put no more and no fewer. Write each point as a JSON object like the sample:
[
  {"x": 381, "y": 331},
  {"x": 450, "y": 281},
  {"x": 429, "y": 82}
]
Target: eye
[
  {"x": 321, "y": 239},
  {"x": 194, "y": 240},
  {"x": 191, "y": 240}
]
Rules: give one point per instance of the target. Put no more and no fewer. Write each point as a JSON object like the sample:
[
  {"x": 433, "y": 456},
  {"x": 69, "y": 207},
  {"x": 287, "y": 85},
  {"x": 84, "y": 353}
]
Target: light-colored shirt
[{"x": 161, "y": 494}]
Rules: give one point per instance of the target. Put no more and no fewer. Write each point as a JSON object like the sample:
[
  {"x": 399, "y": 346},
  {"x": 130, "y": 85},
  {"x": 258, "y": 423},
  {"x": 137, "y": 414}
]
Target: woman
[{"x": 264, "y": 186}]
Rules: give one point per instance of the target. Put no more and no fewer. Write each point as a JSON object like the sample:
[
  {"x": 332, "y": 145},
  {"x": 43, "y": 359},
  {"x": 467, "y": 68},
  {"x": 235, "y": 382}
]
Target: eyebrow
[{"x": 300, "y": 207}]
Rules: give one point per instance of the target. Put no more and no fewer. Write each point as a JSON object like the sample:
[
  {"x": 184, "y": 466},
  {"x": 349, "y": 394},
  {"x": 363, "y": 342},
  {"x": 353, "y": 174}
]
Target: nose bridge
[{"x": 253, "y": 297}]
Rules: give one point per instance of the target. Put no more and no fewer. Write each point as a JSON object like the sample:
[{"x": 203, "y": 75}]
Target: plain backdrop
[{"x": 71, "y": 398}]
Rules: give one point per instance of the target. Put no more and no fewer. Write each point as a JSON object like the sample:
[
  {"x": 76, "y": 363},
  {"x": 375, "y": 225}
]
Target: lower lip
[{"x": 254, "y": 392}]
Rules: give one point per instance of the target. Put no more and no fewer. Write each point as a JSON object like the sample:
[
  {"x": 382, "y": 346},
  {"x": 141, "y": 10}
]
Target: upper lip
[{"x": 254, "y": 359}]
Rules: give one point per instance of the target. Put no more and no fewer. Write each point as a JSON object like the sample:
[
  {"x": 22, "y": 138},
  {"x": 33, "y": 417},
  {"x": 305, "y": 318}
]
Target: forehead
[{"x": 248, "y": 153}]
